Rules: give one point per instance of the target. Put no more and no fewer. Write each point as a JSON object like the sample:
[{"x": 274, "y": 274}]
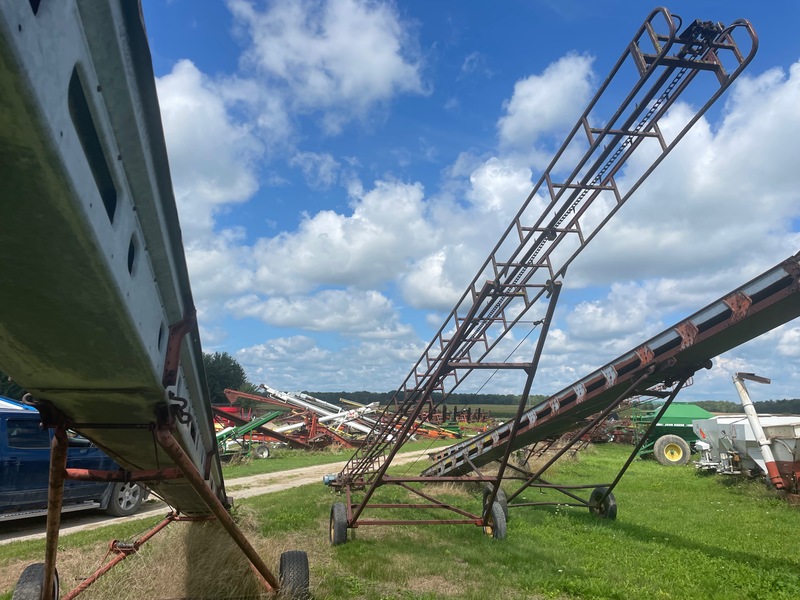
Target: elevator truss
[{"x": 568, "y": 206}]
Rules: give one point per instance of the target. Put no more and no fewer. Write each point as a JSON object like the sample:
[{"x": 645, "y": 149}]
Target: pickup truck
[{"x": 25, "y": 464}]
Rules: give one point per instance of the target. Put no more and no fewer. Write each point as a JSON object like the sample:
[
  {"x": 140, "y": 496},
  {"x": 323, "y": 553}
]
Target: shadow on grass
[
  {"x": 668, "y": 538},
  {"x": 210, "y": 551}
]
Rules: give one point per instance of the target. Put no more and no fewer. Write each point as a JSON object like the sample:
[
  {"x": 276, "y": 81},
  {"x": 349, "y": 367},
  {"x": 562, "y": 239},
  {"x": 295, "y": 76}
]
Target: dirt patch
[{"x": 428, "y": 583}]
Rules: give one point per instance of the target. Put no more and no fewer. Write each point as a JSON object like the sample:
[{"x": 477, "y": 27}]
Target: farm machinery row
[
  {"x": 747, "y": 443},
  {"x": 298, "y": 420}
]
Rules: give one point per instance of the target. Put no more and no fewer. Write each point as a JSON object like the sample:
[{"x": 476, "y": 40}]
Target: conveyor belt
[
  {"x": 764, "y": 303},
  {"x": 94, "y": 274}
]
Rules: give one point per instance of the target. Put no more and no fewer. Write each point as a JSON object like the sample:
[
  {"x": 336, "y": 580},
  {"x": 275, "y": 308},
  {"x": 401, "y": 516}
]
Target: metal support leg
[
  {"x": 556, "y": 290},
  {"x": 646, "y": 435},
  {"x": 431, "y": 385},
  {"x": 176, "y": 453},
  {"x": 55, "y": 496},
  {"x": 600, "y": 417}
]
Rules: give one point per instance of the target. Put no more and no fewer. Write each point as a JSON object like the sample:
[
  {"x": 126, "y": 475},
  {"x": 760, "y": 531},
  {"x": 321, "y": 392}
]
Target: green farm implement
[
  {"x": 671, "y": 440},
  {"x": 239, "y": 441}
]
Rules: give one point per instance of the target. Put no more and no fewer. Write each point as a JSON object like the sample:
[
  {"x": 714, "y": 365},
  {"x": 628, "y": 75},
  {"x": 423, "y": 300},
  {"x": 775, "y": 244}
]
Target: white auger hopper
[{"x": 729, "y": 445}]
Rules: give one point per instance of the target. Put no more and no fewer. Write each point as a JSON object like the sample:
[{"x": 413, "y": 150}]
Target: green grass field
[{"x": 678, "y": 534}]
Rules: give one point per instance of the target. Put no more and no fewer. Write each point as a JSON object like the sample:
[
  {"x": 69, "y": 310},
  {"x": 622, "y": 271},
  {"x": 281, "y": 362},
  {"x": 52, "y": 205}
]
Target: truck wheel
[
  {"x": 126, "y": 498},
  {"x": 338, "y": 524},
  {"x": 606, "y": 510},
  {"x": 671, "y": 450},
  {"x": 294, "y": 575},
  {"x": 31, "y": 583}
]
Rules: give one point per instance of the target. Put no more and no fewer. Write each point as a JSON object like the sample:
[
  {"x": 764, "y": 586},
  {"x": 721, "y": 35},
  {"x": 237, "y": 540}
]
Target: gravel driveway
[{"x": 240, "y": 487}]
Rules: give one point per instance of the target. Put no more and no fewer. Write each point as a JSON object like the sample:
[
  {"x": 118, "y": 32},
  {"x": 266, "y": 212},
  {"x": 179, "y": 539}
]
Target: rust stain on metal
[
  {"x": 645, "y": 354},
  {"x": 688, "y": 332},
  {"x": 610, "y": 373},
  {"x": 177, "y": 331},
  {"x": 125, "y": 476},
  {"x": 739, "y": 303}
]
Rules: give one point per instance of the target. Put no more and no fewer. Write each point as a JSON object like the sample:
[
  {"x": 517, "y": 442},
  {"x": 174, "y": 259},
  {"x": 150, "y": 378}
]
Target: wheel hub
[{"x": 673, "y": 452}]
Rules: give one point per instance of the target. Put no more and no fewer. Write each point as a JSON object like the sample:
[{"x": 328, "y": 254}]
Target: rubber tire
[
  {"x": 672, "y": 450},
  {"x": 496, "y": 527},
  {"x": 608, "y": 510},
  {"x": 261, "y": 451},
  {"x": 294, "y": 575},
  {"x": 30, "y": 583},
  {"x": 501, "y": 499},
  {"x": 126, "y": 499},
  {"x": 338, "y": 524}
]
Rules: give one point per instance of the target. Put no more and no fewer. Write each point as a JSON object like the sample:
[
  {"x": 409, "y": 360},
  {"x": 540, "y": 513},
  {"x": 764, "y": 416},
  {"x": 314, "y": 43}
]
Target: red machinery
[{"x": 311, "y": 433}]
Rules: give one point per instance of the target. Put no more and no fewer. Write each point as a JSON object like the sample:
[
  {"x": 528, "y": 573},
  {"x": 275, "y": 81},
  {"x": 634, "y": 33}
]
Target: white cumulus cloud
[
  {"x": 365, "y": 313},
  {"x": 212, "y": 156},
  {"x": 340, "y": 57},
  {"x": 546, "y": 103},
  {"x": 386, "y": 229},
  {"x": 724, "y": 200},
  {"x": 320, "y": 170}
]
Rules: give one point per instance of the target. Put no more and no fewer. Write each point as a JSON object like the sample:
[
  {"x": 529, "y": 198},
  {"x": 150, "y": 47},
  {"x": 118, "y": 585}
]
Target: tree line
[{"x": 775, "y": 407}]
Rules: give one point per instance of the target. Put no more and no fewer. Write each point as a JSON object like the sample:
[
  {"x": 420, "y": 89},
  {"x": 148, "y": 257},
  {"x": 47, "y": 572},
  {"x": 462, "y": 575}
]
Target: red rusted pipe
[
  {"x": 99, "y": 475},
  {"x": 176, "y": 453},
  {"x": 121, "y": 554},
  {"x": 177, "y": 331},
  {"x": 55, "y": 496},
  {"x": 96, "y": 575}
]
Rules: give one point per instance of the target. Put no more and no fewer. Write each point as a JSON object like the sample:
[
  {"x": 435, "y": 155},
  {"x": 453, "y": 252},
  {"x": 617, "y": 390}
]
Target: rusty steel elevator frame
[
  {"x": 665, "y": 361},
  {"x": 561, "y": 215}
]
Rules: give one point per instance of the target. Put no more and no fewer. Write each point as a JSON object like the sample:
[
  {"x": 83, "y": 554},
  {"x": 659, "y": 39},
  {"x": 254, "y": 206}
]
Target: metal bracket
[
  {"x": 739, "y": 303},
  {"x": 645, "y": 354},
  {"x": 177, "y": 331},
  {"x": 50, "y": 416},
  {"x": 178, "y": 410},
  {"x": 610, "y": 373},
  {"x": 688, "y": 332}
]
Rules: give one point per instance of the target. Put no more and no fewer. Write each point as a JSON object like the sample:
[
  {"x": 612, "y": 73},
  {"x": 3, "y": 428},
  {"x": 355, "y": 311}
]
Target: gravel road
[{"x": 240, "y": 487}]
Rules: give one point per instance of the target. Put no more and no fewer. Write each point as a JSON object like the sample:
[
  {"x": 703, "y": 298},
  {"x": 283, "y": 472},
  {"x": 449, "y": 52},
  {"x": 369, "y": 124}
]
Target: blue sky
[{"x": 343, "y": 167}]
